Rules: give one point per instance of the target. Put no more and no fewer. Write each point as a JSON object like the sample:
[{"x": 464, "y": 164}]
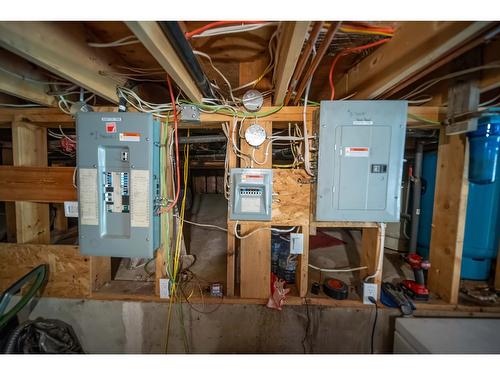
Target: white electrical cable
[
  {"x": 202, "y": 54},
  {"x": 426, "y": 85},
  {"x": 307, "y": 161},
  {"x": 202, "y": 225},
  {"x": 232, "y": 30},
  {"x": 28, "y": 79},
  {"x": 236, "y": 224},
  {"x": 380, "y": 261},
  {"x": 131, "y": 39},
  {"x": 19, "y": 105},
  {"x": 337, "y": 270}
]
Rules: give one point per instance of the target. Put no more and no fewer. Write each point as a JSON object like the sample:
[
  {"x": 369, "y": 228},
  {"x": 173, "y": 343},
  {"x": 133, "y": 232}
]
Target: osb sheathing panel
[
  {"x": 291, "y": 197},
  {"x": 69, "y": 272}
]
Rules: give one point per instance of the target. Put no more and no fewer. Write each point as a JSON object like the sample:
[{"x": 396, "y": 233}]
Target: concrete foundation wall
[{"x": 140, "y": 327}]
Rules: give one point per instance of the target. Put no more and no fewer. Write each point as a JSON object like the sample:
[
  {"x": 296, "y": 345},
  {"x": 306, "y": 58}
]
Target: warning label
[
  {"x": 357, "y": 152},
  {"x": 253, "y": 178},
  {"x": 130, "y": 137}
]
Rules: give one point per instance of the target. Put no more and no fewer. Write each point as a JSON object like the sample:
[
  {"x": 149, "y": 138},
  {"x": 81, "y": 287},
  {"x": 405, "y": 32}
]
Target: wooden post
[
  {"x": 302, "y": 274},
  {"x": 29, "y": 148},
  {"x": 370, "y": 254},
  {"x": 10, "y": 207},
  {"x": 450, "y": 199}
]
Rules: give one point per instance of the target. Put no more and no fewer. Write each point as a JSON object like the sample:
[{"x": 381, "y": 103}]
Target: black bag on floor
[{"x": 43, "y": 336}]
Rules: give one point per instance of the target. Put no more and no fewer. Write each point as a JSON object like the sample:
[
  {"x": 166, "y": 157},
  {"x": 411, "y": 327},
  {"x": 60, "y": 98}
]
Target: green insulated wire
[
  {"x": 423, "y": 119},
  {"x": 224, "y": 111}
]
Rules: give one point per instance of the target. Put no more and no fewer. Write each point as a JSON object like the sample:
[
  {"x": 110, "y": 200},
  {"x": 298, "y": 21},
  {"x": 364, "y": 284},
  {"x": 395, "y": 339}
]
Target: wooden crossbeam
[
  {"x": 153, "y": 38},
  {"x": 292, "y": 36},
  {"x": 62, "y": 49},
  {"x": 37, "y": 184},
  {"x": 415, "y": 47}
]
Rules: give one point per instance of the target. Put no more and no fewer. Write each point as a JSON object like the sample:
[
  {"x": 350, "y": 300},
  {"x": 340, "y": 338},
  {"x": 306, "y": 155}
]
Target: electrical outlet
[
  {"x": 296, "y": 243},
  {"x": 164, "y": 288},
  {"x": 71, "y": 209},
  {"x": 369, "y": 290}
]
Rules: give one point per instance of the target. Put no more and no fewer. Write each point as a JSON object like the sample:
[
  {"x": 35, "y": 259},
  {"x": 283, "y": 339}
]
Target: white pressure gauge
[
  {"x": 253, "y": 100},
  {"x": 255, "y": 135}
]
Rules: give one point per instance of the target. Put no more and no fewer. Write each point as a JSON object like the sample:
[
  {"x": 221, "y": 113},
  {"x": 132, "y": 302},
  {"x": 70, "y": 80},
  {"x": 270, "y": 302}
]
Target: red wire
[
  {"x": 172, "y": 98},
  {"x": 345, "y": 52},
  {"x": 218, "y": 23}
]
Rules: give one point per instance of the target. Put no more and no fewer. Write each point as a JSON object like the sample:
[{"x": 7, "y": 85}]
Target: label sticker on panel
[
  {"x": 139, "y": 198},
  {"x": 87, "y": 186},
  {"x": 130, "y": 137},
  {"x": 357, "y": 152},
  {"x": 257, "y": 178}
]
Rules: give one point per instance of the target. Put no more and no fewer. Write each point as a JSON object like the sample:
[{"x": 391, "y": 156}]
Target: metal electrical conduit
[{"x": 175, "y": 35}]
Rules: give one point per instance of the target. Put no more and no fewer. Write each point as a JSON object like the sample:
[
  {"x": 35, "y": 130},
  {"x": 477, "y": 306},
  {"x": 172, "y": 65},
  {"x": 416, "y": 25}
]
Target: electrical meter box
[
  {"x": 251, "y": 194},
  {"x": 118, "y": 158},
  {"x": 360, "y": 161}
]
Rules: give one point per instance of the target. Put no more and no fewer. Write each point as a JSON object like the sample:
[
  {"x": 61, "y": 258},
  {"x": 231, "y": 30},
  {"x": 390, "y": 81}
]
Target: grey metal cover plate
[{"x": 361, "y": 145}]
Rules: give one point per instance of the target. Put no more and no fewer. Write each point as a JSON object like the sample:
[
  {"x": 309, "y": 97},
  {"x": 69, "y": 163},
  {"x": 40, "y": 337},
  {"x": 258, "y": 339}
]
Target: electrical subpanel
[
  {"x": 360, "y": 161},
  {"x": 118, "y": 158},
  {"x": 251, "y": 194}
]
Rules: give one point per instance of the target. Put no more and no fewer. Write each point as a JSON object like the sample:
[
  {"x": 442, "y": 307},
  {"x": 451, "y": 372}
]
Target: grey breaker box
[
  {"x": 251, "y": 194},
  {"x": 361, "y": 145},
  {"x": 118, "y": 183}
]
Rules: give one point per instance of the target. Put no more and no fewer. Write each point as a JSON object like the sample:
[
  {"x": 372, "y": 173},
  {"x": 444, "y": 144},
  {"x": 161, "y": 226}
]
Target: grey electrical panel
[
  {"x": 251, "y": 194},
  {"x": 361, "y": 145},
  {"x": 118, "y": 184}
]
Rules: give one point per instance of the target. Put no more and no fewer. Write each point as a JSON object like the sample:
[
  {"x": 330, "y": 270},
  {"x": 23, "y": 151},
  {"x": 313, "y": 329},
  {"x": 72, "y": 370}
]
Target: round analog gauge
[
  {"x": 253, "y": 100},
  {"x": 255, "y": 135}
]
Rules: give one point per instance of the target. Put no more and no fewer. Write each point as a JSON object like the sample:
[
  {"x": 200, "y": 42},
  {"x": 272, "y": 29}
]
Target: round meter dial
[
  {"x": 255, "y": 135},
  {"x": 253, "y": 100}
]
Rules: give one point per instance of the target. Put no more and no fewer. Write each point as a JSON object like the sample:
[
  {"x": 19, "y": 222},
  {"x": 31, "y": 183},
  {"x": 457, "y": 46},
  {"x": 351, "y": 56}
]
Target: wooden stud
[
  {"x": 292, "y": 36},
  {"x": 302, "y": 274},
  {"x": 60, "y": 221},
  {"x": 62, "y": 48},
  {"x": 153, "y": 38},
  {"x": 370, "y": 254},
  {"x": 29, "y": 146},
  {"x": 100, "y": 272},
  {"x": 448, "y": 221},
  {"x": 10, "y": 207}
]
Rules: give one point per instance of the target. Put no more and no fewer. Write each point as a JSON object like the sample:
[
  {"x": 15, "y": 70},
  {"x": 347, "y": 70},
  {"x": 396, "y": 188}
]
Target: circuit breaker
[
  {"x": 360, "y": 161},
  {"x": 118, "y": 183},
  {"x": 251, "y": 194}
]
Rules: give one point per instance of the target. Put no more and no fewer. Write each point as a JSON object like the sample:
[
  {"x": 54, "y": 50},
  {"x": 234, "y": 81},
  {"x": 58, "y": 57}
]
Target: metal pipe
[
  {"x": 202, "y": 139},
  {"x": 417, "y": 191},
  {"x": 313, "y": 37},
  {"x": 330, "y": 34},
  {"x": 175, "y": 35}
]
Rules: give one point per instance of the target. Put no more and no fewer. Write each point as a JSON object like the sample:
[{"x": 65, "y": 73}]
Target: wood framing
[
  {"x": 397, "y": 61},
  {"x": 153, "y": 38},
  {"x": 292, "y": 36},
  {"x": 62, "y": 49},
  {"x": 24, "y": 89},
  {"x": 29, "y": 148},
  {"x": 37, "y": 184},
  {"x": 370, "y": 254},
  {"x": 448, "y": 221}
]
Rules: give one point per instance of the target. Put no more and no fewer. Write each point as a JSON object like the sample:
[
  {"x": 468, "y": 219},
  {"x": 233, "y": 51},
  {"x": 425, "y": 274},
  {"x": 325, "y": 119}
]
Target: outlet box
[
  {"x": 164, "y": 288},
  {"x": 296, "y": 243},
  {"x": 71, "y": 209},
  {"x": 369, "y": 290}
]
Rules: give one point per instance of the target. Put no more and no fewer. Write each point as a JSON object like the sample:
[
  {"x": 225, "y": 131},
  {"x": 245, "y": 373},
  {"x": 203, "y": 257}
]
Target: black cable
[
  {"x": 308, "y": 325},
  {"x": 372, "y": 300}
]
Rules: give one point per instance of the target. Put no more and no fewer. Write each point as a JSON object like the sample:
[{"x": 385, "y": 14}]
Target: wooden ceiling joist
[
  {"x": 20, "y": 88},
  {"x": 62, "y": 49},
  {"x": 292, "y": 36},
  {"x": 153, "y": 38},
  {"x": 415, "y": 47}
]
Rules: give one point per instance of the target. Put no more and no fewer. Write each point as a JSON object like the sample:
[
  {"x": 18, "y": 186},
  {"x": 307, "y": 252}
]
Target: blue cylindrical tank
[
  {"x": 482, "y": 223},
  {"x": 484, "y": 149}
]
